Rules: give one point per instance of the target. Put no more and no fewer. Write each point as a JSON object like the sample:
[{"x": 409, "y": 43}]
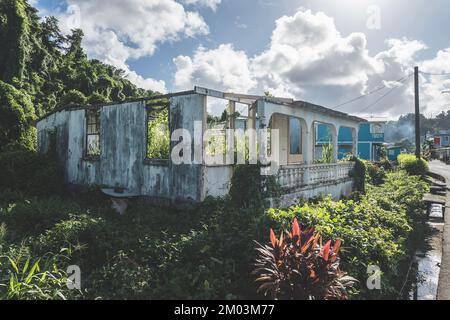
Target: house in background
[
  {"x": 393, "y": 152},
  {"x": 370, "y": 140},
  {"x": 442, "y": 140}
]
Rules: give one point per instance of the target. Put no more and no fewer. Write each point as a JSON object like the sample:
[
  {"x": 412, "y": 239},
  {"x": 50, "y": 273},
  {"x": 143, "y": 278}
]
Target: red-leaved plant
[{"x": 297, "y": 266}]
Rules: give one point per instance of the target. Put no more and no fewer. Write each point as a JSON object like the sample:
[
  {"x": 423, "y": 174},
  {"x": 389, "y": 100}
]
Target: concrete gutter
[{"x": 443, "y": 292}]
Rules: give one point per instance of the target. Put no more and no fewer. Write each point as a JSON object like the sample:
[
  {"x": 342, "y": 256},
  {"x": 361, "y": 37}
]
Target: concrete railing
[{"x": 298, "y": 176}]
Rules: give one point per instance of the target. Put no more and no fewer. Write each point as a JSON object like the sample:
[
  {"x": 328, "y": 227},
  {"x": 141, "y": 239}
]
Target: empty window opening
[
  {"x": 219, "y": 116},
  {"x": 158, "y": 133}
]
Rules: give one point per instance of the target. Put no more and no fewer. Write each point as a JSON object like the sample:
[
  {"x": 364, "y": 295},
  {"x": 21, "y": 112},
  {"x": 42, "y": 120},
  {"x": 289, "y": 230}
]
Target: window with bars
[{"x": 93, "y": 133}]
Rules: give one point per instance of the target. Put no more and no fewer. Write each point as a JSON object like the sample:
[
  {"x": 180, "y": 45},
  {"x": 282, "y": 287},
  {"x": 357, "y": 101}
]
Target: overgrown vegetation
[
  {"x": 41, "y": 69},
  {"x": 203, "y": 253},
  {"x": 376, "y": 229}
]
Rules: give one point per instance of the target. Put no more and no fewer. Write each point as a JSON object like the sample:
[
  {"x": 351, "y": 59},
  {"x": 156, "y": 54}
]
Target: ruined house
[{"x": 113, "y": 144}]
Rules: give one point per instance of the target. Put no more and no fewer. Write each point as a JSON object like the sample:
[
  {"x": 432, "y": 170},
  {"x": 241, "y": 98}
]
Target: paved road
[
  {"x": 444, "y": 276},
  {"x": 441, "y": 168}
]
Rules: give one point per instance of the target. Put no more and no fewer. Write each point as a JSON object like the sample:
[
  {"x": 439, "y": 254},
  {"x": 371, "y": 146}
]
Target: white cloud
[
  {"x": 222, "y": 68},
  {"x": 120, "y": 31},
  {"x": 213, "y": 4},
  {"x": 308, "y": 59}
]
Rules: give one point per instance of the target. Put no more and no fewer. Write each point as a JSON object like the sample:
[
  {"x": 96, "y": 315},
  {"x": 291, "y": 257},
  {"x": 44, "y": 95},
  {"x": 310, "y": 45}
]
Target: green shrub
[
  {"x": 375, "y": 230},
  {"x": 414, "y": 166},
  {"x": 299, "y": 267},
  {"x": 29, "y": 172},
  {"x": 246, "y": 187},
  {"x": 375, "y": 174},
  {"x": 359, "y": 175},
  {"x": 29, "y": 217},
  {"x": 24, "y": 277}
]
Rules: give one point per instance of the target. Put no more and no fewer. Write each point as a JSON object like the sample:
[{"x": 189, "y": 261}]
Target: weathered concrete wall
[
  {"x": 217, "y": 181},
  {"x": 186, "y": 180},
  {"x": 335, "y": 190},
  {"x": 123, "y": 136},
  {"x": 123, "y": 149}
]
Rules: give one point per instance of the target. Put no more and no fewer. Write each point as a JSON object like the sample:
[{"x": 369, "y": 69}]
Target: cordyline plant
[{"x": 297, "y": 266}]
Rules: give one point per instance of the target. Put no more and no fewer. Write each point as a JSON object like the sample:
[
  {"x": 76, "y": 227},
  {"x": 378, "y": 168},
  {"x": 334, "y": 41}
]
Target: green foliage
[
  {"x": 375, "y": 230},
  {"x": 246, "y": 187},
  {"x": 159, "y": 136},
  {"x": 375, "y": 174},
  {"x": 30, "y": 172},
  {"x": 16, "y": 117},
  {"x": 327, "y": 154},
  {"x": 414, "y": 166},
  {"x": 205, "y": 252},
  {"x": 23, "y": 277},
  {"x": 298, "y": 267},
  {"x": 359, "y": 175},
  {"x": 41, "y": 69},
  {"x": 73, "y": 96}
]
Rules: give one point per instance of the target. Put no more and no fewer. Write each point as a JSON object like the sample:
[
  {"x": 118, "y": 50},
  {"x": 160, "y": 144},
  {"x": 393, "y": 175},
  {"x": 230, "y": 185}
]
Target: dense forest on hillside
[
  {"x": 403, "y": 129},
  {"x": 42, "y": 69}
]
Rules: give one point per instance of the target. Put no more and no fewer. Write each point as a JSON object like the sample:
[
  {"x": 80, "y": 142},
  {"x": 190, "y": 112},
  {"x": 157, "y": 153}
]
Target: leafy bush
[
  {"x": 23, "y": 277},
  {"x": 359, "y": 175},
  {"x": 246, "y": 191},
  {"x": 297, "y": 266},
  {"x": 375, "y": 174},
  {"x": 73, "y": 97},
  {"x": 29, "y": 217},
  {"x": 16, "y": 117},
  {"x": 414, "y": 166},
  {"x": 375, "y": 229},
  {"x": 29, "y": 172}
]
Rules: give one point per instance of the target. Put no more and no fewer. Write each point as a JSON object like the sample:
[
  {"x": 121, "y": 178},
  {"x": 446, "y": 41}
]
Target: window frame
[
  {"x": 88, "y": 113},
  {"x": 295, "y": 158},
  {"x": 148, "y": 109}
]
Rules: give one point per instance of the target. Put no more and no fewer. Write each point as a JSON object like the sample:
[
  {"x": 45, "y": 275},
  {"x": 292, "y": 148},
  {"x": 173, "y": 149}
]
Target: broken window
[
  {"x": 218, "y": 118},
  {"x": 93, "y": 133},
  {"x": 158, "y": 133}
]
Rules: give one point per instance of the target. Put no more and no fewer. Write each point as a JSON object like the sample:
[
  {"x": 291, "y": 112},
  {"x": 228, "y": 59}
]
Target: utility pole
[{"x": 417, "y": 104}]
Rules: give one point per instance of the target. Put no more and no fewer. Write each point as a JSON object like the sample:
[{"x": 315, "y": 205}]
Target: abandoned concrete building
[{"x": 114, "y": 144}]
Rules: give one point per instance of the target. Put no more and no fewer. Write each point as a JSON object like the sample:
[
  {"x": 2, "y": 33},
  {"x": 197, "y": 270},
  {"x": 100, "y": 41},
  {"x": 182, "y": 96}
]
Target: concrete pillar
[
  {"x": 252, "y": 116},
  {"x": 306, "y": 142},
  {"x": 355, "y": 141},
  {"x": 232, "y": 111},
  {"x": 312, "y": 139},
  {"x": 335, "y": 141}
]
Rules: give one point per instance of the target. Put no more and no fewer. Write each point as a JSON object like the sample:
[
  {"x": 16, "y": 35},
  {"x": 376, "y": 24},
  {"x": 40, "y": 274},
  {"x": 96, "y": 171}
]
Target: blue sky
[{"x": 323, "y": 50}]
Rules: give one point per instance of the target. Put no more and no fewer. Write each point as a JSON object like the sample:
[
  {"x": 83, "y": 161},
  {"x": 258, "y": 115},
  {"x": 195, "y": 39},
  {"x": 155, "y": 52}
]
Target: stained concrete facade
[{"x": 123, "y": 142}]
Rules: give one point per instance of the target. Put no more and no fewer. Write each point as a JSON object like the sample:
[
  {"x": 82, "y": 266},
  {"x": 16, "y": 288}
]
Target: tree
[{"x": 16, "y": 117}]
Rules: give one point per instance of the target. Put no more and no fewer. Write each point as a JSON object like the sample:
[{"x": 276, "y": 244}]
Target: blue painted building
[
  {"x": 442, "y": 140},
  {"x": 393, "y": 153},
  {"x": 370, "y": 140}
]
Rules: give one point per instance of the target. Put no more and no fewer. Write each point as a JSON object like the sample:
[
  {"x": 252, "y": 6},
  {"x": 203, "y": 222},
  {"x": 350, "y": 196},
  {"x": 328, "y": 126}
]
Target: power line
[
  {"x": 435, "y": 74},
  {"x": 370, "y": 93},
  {"x": 386, "y": 94}
]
